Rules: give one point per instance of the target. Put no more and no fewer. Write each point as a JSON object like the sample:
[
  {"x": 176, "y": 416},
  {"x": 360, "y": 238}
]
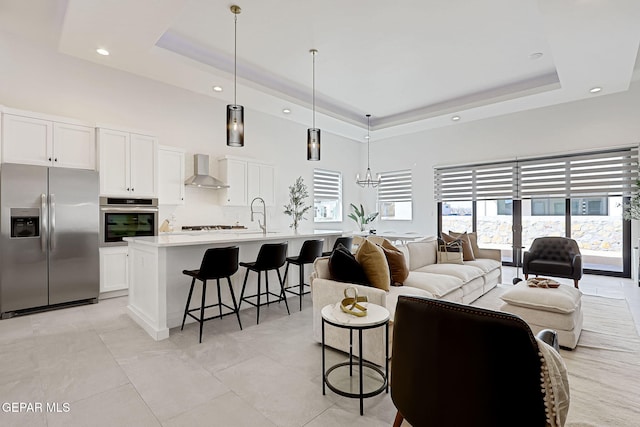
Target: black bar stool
[
  {"x": 311, "y": 249},
  {"x": 347, "y": 242},
  {"x": 216, "y": 264},
  {"x": 272, "y": 256}
]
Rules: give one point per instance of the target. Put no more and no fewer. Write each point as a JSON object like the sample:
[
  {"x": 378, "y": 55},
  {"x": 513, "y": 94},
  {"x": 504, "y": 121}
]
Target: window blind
[
  {"x": 327, "y": 185},
  {"x": 600, "y": 174},
  {"x": 490, "y": 181},
  {"x": 395, "y": 187},
  {"x": 596, "y": 174}
]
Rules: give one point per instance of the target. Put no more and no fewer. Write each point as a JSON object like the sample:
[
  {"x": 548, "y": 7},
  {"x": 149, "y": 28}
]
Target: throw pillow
[
  {"x": 422, "y": 252},
  {"x": 397, "y": 263},
  {"x": 375, "y": 265},
  {"x": 344, "y": 267},
  {"x": 467, "y": 251},
  {"x": 473, "y": 238},
  {"x": 449, "y": 252}
]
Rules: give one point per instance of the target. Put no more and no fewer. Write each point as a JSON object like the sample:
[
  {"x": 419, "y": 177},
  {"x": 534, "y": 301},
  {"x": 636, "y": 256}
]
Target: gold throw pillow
[{"x": 372, "y": 259}]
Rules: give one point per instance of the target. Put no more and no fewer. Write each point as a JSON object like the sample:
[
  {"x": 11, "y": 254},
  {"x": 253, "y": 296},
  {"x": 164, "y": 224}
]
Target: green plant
[
  {"x": 297, "y": 206},
  {"x": 632, "y": 209},
  {"x": 359, "y": 216}
]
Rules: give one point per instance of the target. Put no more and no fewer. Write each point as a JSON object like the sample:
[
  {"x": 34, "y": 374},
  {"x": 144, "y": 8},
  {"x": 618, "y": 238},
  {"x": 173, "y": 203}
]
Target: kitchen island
[{"x": 158, "y": 289}]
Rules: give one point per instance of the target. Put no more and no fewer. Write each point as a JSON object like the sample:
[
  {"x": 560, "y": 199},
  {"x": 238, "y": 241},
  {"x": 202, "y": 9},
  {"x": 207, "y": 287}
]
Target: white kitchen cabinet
[
  {"x": 234, "y": 173},
  {"x": 128, "y": 164},
  {"x": 260, "y": 182},
  {"x": 170, "y": 176},
  {"x": 38, "y": 141},
  {"x": 114, "y": 268}
]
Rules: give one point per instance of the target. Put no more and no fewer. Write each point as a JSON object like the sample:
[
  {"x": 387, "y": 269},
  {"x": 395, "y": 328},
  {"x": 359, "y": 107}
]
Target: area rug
[{"x": 604, "y": 369}]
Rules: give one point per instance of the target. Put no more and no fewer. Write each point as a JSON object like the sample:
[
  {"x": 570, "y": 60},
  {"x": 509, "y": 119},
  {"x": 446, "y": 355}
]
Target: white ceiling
[{"x": 411, "y": 64}]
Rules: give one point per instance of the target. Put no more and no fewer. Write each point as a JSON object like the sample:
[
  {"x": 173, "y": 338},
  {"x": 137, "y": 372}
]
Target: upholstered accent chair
[
  {"x": 553, "y": 256},
  {"x": 458, "y": 365}
]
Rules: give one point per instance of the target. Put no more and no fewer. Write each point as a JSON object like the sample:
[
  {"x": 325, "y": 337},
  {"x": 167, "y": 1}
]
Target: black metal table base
[{"x": 361, "y": 364}]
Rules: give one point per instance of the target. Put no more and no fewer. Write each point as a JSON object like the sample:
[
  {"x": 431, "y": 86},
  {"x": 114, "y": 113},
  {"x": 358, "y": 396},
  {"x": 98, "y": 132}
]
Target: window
[
  {"x": 327, "y": 196},
  {"x": 576, "y": 195},
  {"x": 394, "y": 196}
]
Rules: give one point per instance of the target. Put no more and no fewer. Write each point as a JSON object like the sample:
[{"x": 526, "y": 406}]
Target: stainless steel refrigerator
[{"x": 49, "y": 224}]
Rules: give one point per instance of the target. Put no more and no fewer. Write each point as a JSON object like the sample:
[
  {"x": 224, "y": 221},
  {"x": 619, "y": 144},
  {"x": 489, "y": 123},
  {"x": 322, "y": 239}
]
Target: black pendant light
[
  {"x": 235, "y": 112},
  {"x": 313, "y": 133}
]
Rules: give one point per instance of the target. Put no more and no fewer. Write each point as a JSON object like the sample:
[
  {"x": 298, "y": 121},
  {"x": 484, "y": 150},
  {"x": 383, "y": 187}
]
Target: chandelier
[{"x": 368, "y": 180}]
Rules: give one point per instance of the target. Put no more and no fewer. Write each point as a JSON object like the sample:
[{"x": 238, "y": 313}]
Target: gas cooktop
[{"x": 212, "y": 227}]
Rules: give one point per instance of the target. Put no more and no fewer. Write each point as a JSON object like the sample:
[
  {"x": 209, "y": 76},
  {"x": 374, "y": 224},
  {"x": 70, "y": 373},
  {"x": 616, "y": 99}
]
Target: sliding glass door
[
  {"x": 598, "y": 227},
  {"x": 596, "y": 223}
]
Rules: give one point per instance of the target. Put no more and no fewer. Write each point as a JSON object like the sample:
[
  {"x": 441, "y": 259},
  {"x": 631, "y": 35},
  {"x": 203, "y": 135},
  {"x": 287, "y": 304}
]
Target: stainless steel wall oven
[{"x": 124, "y": 217}]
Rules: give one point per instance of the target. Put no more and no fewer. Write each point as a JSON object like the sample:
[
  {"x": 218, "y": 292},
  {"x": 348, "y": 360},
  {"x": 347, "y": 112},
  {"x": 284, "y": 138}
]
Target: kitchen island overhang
[{"x": 157, "y": 288}]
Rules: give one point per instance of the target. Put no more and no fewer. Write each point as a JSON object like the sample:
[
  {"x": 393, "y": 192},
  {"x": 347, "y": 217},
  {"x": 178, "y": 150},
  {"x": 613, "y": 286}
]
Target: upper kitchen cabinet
[
  {"x": 30, "y": 138},
  {"x": 171, "y": 176},
  {"x": 247, "y": 179},
  {"x": 234, "y": 173},
  {"x": 128, "y": 163},
  {"x": 260, "y": 182}
]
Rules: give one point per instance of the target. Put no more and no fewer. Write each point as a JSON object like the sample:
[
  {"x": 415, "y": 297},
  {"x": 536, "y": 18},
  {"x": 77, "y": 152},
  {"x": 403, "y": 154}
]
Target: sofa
[{"x": 462, "y": 283}]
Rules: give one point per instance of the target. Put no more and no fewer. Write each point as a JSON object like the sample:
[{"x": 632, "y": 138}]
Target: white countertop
[{"x": 189, "y": 238}]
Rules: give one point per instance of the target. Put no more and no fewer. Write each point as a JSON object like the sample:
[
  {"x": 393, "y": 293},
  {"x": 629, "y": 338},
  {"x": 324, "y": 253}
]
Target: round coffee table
[{"x": 377, "y": 316}]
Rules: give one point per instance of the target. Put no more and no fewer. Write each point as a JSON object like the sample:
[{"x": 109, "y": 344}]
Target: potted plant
[
  {"x": 359, "y": 216},
  {"x": 297, "y": 206}
]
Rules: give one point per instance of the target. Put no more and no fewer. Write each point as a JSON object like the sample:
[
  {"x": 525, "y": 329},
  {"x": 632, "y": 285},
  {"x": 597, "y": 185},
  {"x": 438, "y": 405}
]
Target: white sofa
[{"x": 463, "y": 283}]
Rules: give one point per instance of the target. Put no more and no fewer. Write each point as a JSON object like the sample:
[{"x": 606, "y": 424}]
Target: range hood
[{"x": 201, "y": 177}]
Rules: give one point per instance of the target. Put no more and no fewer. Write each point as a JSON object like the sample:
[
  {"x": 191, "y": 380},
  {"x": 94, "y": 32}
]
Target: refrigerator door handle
[
  {"x": 43, "y": 222},
  {"x": 52, "y": 221}
]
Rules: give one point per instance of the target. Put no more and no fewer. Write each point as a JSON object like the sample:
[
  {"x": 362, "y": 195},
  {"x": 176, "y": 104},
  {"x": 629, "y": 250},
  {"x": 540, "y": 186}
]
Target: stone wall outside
[{"x": 593, "y": 233}]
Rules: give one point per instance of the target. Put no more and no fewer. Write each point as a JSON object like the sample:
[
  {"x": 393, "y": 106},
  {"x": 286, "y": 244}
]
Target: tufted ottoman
[{"x": 559, "y": 309}]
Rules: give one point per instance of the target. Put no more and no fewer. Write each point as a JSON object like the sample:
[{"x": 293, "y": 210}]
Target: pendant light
[
  {"x": 313, "y": 133},
  {"x": 235, "y": 112},
  {"x": 368, "y": 180}
]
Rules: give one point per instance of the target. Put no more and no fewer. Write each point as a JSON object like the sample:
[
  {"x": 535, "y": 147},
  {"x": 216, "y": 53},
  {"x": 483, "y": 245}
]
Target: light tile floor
[{"x": 111, "y": 373}]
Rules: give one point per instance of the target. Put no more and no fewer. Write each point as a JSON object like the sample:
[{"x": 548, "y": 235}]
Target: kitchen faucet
[{"x": 264, "y": 214}]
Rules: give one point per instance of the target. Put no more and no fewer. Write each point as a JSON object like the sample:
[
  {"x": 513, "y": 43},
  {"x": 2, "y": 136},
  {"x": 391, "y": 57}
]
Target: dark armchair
[
  {"x": 457, "y": 365},
  {"x": 553, "y": 256}
]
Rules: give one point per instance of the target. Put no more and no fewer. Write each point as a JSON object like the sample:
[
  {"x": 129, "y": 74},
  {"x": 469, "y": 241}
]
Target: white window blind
[
  {"x": 327, "y": 196},
  {"x": 476, "y": 182},
  {"x": 596, "y": 174},
  {"x": 601, "y": 174},
  {"x": 327, "y": 185},
  {"x": 395, "y": 187}
]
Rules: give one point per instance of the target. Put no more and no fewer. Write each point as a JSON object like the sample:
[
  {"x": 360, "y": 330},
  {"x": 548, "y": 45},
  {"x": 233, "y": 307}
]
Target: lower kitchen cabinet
[{"x": 114, "y": 269}]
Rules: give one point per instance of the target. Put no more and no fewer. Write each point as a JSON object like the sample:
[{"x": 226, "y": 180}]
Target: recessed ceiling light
[
  {"x": 455, "y": 118},
  {"x": 286, "y": 110},
  {"x": 595, "y": 89},
  {"x": 217, "y": 88},
  {"x": 103, "y": 52},
  {"x": 536, "y": 55}
]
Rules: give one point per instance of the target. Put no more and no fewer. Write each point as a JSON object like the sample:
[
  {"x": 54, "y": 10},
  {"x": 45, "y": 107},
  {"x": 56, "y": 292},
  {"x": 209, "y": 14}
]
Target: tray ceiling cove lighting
[
  {"x": 368, "y": 180},
  {"x": 313, "y": 133},
  {"x": 235, "y": 112}
]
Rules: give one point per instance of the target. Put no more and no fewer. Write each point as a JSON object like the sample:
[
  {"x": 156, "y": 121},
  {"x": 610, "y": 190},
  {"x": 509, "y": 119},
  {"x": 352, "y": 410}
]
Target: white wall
[
  {"x": 37, "y": 79},
  {"x": 596, "y": 123}
]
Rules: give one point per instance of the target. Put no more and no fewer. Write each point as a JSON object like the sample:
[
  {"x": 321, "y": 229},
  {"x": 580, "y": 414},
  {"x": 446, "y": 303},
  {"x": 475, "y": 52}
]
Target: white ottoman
[{"x": 559, "y": 309}]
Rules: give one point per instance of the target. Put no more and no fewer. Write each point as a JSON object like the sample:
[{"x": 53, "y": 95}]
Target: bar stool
[
  {"x": 311, "y": 249},
  {"x": 271, "y": 256},
  {"x": 346, "y": 241},
  {"x": 216, "y": 264}
]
